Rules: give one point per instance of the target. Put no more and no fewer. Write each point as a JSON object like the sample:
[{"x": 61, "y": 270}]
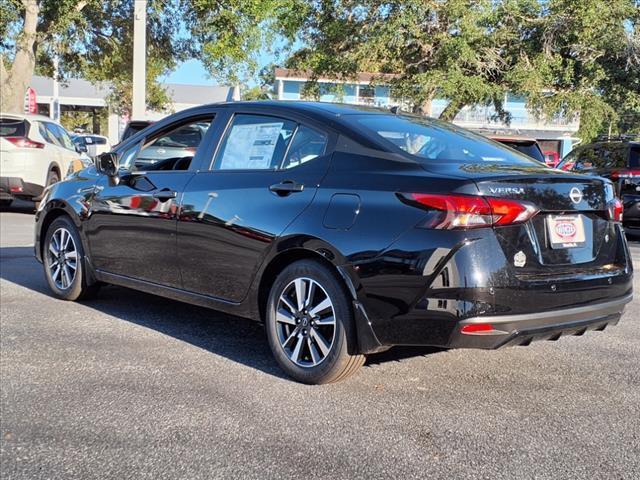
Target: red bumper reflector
[
  {"x": 476, "y": 328},
  {"x": 15, "y": 189}
]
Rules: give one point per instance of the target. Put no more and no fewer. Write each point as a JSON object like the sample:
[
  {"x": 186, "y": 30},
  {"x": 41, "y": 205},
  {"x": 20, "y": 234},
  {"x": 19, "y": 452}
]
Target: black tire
[
  {"x": 78, "y": 288},
  {"x": 338, "y": 363},
  {"x": 52, "y": 177}
]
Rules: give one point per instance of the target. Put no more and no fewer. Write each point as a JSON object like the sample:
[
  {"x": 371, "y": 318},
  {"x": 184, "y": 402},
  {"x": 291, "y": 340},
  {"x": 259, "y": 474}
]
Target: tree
[
  {"x": 94, "y": 39},
  {"x": 264, "y": 90},
  {"x": 228, "y": 35},
  {"x": 39, "y": 24},
  {"x": 568, "y": 58},
  {"x": 461, "y": 50},
  {"x": 584, "y": 60}
]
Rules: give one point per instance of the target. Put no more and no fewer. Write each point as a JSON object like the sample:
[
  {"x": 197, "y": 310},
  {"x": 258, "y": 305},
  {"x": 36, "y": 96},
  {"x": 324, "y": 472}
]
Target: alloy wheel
[
  {"x": 62, "y": 258},
  {"x": 305, "y": 322}
]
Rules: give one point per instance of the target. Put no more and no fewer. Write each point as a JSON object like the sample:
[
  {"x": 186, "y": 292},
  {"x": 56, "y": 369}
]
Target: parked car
[
  {"x": 92, "y": 144},
  {"x": 35, "y": 152},
  {"x": 346, "y": 230},
  {"x": 133, "y": 127},
  {"x": 179, "y": 143},
  {"x": 617, "y": 160},
  {"x": 551, "y": 158},
  {"x": 528, "y": 146}
]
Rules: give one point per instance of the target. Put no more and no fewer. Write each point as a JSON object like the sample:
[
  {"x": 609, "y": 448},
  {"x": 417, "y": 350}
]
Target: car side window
[
  {"x": 45, "y": 134},
  {"x": 614, "y": 155},
  {"x": 254, "y": 142},
  {"x": 171, "y": 149},
  {"x": 587, "y": 159},
  {"x": 306, "y": 145},
  {"x": 61, "y": 137},
  {"x": 66, "y": 139}
]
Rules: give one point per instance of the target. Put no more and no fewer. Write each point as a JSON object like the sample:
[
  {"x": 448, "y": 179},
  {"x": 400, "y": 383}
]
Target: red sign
[{"x": 30, "y": 104}]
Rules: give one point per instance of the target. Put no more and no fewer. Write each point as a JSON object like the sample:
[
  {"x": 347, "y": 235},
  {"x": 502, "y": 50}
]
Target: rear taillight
[
  {"x": 615, "y": 209},
  {"x": 469, "y": 211},
  {"x": 24, "y": 142},
  {"x": 626, "y": 173}
]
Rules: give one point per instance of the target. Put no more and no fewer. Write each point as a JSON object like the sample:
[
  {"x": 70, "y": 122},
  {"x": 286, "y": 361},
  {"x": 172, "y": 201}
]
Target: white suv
[{"x": 35, "y": 152}]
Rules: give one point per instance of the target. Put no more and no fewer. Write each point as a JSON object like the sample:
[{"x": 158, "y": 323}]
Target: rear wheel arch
[
  {"x": 281, "y": 261},
  {"x": 53, "y": 167}
]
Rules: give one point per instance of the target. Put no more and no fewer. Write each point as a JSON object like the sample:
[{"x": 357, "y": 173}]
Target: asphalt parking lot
[{"x": 135, "y": 386}]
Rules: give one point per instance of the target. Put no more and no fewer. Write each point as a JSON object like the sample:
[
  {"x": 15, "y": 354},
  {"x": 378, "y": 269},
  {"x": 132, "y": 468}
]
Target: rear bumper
[
  {"x": 15, "y": 187},
  {"x": 522, "y": 329}
]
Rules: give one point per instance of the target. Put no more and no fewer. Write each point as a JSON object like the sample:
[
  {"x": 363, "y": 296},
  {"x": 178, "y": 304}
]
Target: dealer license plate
[{"x": 566, "y": 231}]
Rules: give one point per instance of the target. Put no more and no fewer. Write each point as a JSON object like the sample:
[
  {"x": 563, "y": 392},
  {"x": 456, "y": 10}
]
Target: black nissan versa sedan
[{"x": 345, "y": 230}]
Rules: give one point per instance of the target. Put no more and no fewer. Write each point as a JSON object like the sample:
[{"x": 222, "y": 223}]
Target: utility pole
[
  {"x": 54, "y": 107},
  {"x": 139, "y": 60}
]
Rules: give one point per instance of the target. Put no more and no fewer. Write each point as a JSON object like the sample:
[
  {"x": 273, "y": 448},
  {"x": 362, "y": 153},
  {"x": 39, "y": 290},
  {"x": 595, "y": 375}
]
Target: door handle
[
  {"x": 165, "y": 194},
  {"x": 286, "y": 187}
]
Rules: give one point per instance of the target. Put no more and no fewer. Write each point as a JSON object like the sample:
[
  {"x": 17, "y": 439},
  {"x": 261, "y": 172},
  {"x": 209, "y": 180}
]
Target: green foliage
[
  {"x": 263, "y": 91},
  {"x": 95, "y": 39},
  {"x": 569, "y": 58},
  {"x": 585, "y": 61},
  {"x": 83, "y": 121},
  {"x": 228, "y": 35}
]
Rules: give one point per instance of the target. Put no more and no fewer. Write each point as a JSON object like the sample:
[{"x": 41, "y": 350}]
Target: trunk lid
[{"x": 575, "y": 205}]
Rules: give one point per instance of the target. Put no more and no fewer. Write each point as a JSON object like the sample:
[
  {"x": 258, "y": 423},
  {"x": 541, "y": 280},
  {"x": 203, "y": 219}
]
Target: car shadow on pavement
[{"x": 238, "y": 339}]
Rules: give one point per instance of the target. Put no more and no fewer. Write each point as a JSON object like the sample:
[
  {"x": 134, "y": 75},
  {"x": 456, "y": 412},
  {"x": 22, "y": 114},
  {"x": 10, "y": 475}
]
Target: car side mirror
[
  {"x": 81, "y": 149},
  {"x": 107, "y": 163}
]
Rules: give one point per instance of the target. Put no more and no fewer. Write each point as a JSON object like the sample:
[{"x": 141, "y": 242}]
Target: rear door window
[
  {"x": 307, "y": 144},
  {"x": 11, "y": 127},
  {"x": 45, "y": 134},
  {"x": 60, "y": 136},
  {"x": 254, "y": 142}
]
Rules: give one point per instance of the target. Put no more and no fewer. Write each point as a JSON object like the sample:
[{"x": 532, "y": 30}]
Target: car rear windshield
[
  {"x": 184, "y": 137},
  {"x": 430, "y": 141},
  {"x": 528, "y": 148},
  {"x": 11, "y": 127}
]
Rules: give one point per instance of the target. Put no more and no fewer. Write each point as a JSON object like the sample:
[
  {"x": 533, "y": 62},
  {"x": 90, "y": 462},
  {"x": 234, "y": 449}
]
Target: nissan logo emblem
[{"x": 575, "y": 195}]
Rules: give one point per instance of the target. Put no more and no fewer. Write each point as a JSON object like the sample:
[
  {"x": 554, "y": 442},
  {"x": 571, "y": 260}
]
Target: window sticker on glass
[{"x": 251, "y": 146}]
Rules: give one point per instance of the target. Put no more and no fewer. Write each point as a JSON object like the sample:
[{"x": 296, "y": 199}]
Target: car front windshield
[{"x": 432, "y": 141}]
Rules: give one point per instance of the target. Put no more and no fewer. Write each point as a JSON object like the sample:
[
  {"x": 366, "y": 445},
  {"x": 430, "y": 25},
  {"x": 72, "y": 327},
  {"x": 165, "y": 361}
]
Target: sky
[{"x": 191, "y": 72}]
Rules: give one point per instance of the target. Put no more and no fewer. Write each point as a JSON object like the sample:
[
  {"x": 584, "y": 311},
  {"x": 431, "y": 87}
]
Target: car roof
[
  {"x": 507, "y": 138},
  {"x": 28, "y": 116},
  {"x": 318, "y": 110},
  {"x": 610, "y": 142},
  {"x": 83, "y": 134}
]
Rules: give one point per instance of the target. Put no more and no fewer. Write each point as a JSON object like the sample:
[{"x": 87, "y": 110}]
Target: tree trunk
[
  {"x": 451, "y": 110},
  {"x": 15, "y": 81},
  {"x": 424, "y": 108}
]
